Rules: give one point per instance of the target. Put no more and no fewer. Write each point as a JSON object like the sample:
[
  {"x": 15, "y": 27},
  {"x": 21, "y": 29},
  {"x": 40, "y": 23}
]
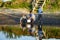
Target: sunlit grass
[{"x": 51, "y": 31}]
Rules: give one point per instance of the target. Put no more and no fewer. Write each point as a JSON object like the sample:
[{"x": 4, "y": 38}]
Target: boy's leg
[
  {"x": 40, "y": 33},
  {"x": 24, "y": 27},
  {"x": 40, "y": 22},
  {"x": 40, "y": 26}
]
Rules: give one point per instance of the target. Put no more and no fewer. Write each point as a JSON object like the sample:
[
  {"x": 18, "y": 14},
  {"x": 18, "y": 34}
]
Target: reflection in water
[
  {"x": 10, "y": 35},
  {"x": 3, "y": 37}
]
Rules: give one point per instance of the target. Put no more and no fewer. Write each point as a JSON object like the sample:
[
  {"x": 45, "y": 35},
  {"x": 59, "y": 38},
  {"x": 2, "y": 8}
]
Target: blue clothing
[
  {"x": 30, "y": 15},
  {"x": 40, "y": 11},
  {"x": 40, "y": 33}
]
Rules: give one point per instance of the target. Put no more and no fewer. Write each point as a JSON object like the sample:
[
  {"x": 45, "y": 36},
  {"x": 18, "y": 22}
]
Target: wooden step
[
  {"x": 41, "y": 0},
  {"x": 39, "y": 3}
]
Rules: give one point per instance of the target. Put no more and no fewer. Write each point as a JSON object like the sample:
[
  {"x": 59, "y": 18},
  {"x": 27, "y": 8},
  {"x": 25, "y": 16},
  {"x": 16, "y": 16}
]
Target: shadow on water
[
  {"x": 51, "y": 19},
  {"x": 10, "y": 19},
  {"x": 13, "y": 19}
]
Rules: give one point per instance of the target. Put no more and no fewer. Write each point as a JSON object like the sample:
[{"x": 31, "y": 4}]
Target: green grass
[
  {"x": 13, "y": 29},
  {"x": 52, "y": 6},
  {"x": 51, "y": 31},
  {"x": 19, "y": 5}
]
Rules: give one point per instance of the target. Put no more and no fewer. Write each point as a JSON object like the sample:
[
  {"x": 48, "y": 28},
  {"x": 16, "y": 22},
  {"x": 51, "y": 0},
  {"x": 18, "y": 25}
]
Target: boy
[{"x": 23, "y": 22}]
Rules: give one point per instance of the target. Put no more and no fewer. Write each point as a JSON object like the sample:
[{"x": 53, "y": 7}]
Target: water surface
[{"x": 3, "y": 36}]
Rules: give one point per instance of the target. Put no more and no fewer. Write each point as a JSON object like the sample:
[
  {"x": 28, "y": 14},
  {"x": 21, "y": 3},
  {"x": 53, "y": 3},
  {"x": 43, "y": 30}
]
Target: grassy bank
[
  {"x": 52, "y": 6},
  {"x": 15, "y": 4},
  {"x": 15, "y": 29},
  {"x": 20, "y": 5},
  {"x": 51, "y": 31}
]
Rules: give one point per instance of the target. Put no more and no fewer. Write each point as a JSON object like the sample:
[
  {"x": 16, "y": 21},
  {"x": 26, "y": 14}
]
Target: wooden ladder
[{"x": 36, "y": 4}]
